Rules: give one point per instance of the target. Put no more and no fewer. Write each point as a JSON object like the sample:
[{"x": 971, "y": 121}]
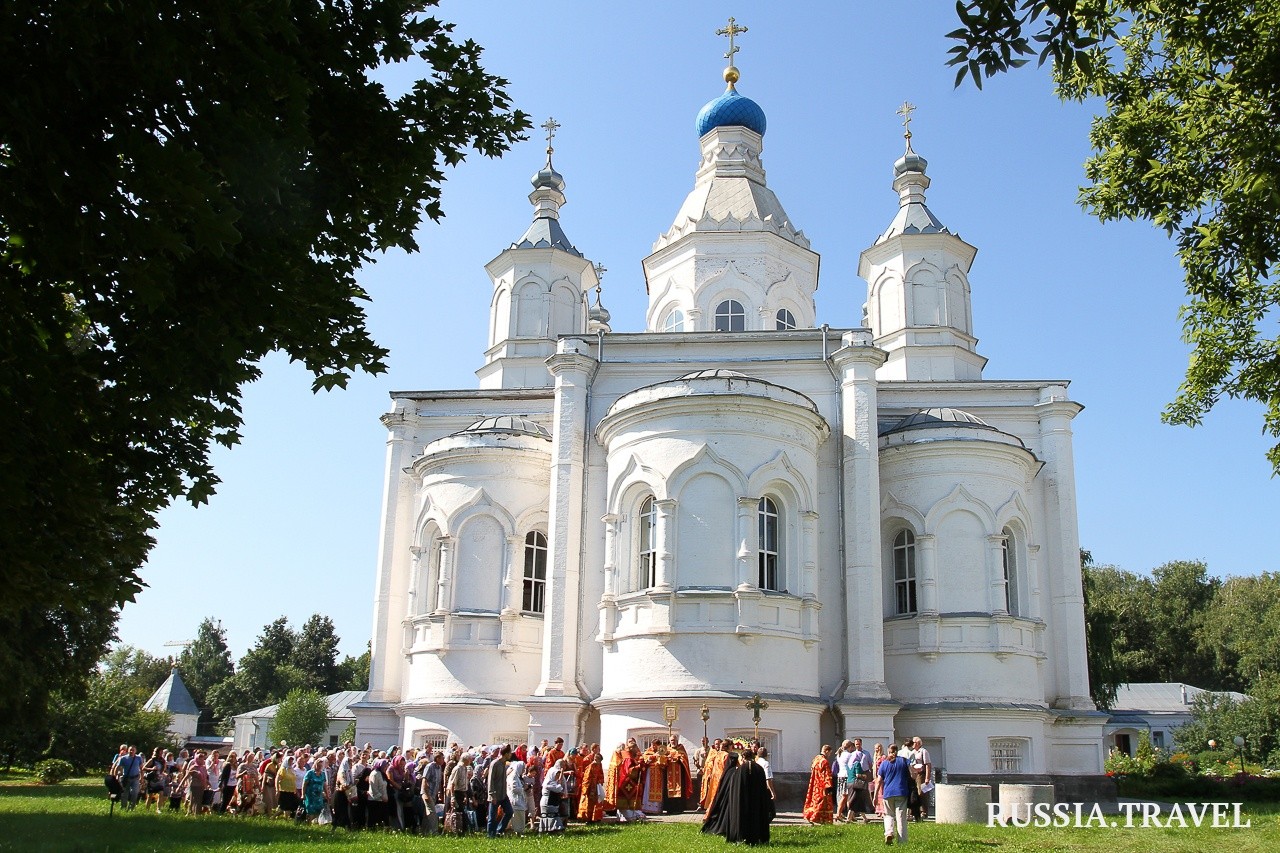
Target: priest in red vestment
[
  {"x": 679, "y": 779},
  {"x": 712, "y": 770},
  {"x": 817, "y": 800}
]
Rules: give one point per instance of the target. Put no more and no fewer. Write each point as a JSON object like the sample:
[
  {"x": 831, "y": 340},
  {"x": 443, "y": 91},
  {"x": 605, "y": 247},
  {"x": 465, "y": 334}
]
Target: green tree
[
  {"x": 1242, "y": 626},
  {"x": 204, "y": 665},
  {"x": 1221, "y": 718},
  {"x": 265, "y": 674},
  {"x": 354, "y": 672},
  {"x": 87, "y": 729},
  {"x": 1187, "y": 140},
  {"x": 1101, "y": 626},
  {"x": 316, "y": 654},
  {"x": 140, "y": 671},
  {"x": 301, "y": 718},
  {"x": 1182, "y": 593},
  {"x": 185, "y": 188}
]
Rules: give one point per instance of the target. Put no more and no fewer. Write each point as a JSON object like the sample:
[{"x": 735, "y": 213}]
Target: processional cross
[{"x": 755, "y": 706}]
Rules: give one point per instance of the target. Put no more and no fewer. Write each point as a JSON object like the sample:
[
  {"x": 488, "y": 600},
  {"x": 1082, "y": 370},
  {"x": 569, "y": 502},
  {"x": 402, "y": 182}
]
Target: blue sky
[{"x": 295, "y": 525}]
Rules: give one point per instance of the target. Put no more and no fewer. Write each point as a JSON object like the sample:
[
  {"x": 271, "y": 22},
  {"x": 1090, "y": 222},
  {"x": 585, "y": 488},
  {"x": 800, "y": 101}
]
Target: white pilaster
[
  {"x": 1062, "y": 545},
  {"x": 856, "y": 361},
  {"x": 572, "y": 369},
  {"x": 392, "y": 584}
]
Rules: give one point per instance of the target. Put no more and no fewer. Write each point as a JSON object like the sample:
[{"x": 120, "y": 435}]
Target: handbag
[{"x": 326, "y": 817}]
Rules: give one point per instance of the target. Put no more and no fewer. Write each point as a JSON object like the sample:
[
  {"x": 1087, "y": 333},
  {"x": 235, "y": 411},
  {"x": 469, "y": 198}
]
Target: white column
[
  {"x": 415, "y": 593},
  {"x": 665, "y": 568},
  {"x": 927, "y": 572},
  {"x": 445, "y": 579},
  {"x": 748, "y": 542},
  {"x": 997, "y": 595},
  {"x": 610, "y": 554},
  {"x": 856, "y": 361},
  {"x": 513, "y": 583},
  {"x": 1062, "y": 550}
]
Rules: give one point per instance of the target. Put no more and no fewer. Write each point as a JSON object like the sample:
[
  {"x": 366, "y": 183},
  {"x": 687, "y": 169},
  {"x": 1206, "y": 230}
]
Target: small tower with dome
[
  {"x": 538, "y": 286},
  {"x": 917, "y": 273},
  {"x": 732, "y": 261}
]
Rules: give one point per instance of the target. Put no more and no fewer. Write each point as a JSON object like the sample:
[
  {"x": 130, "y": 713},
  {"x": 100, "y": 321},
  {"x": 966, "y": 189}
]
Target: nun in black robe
[{"x": 742, "y": 809}]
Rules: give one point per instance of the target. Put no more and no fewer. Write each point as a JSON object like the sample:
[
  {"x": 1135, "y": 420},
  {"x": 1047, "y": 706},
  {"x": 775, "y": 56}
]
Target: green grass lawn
[{"x": 74, "y": 816}]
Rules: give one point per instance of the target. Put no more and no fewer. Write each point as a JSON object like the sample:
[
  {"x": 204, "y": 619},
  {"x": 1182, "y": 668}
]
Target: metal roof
[
  {"x": 339, "y": 707},
  {"x": 172, "y": 696}
]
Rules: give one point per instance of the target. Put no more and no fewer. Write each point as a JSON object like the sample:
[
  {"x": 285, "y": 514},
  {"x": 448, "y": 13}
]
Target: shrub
[{"x": 51, "y": 771}]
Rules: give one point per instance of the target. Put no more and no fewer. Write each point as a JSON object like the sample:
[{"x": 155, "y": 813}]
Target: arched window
[
  {"x": 784, "y": 320},
  {"x": 770, "y": 543},
  {"x": 648, "y": 549},
  {"x": 535, "y": 573},
  {"x": 674, "y": 321},
  {"x": 1009, "y": 561},
  {"x": 904, "y": 573},
  {"x": 731, "y": 317}
]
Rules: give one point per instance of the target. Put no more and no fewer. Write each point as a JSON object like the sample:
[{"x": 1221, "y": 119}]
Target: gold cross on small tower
[
  {"x": 550, "y": 126},
  {"x": 732, "y": 30},
  {"x": 600, "y": 269},
  {"x": 905, "y": 111}
]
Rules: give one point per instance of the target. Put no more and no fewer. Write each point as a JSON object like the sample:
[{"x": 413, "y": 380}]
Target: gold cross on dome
[
  {"x": 905, "y": 111},
  {"x": 732, "y": 30},
  {"x": 550, "y": 126}
]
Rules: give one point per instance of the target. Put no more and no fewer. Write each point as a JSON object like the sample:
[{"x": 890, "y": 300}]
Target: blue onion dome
[{"x": 731, "y": 110}]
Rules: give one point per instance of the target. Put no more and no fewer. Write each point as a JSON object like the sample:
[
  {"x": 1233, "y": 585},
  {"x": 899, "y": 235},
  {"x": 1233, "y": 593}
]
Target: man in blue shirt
[
  {"x": 893, "y": 784},
  {"x": 128, "y": 769}
]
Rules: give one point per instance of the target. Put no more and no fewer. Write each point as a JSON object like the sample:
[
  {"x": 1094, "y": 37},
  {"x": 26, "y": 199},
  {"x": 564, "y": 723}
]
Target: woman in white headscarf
[
  {"x": 287, "y": 786},
  {"x": 554, "y": 788}
]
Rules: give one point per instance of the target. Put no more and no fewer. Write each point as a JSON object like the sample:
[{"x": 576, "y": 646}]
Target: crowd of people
[
  {"x": 496, "y": 788},
  {"x": 890, "y": 785},
  {"x": 504, "y": 788}
]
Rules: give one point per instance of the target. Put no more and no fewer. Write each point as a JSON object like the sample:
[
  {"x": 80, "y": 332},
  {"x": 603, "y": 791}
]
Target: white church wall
[{"x": 983, "y": 741}]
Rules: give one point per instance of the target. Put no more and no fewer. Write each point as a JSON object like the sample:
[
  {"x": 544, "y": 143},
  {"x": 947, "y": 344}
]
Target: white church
[{"x": 738, "y": 500}]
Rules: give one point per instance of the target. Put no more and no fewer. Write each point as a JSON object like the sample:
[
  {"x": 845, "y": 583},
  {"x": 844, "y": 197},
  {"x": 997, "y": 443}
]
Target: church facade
[{"x": 852, "y": 525}]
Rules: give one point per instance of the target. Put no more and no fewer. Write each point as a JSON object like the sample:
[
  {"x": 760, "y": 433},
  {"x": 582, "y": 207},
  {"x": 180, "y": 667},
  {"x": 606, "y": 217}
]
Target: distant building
[
  {"x": 251, "y": 727},
  {"x": 173, "y": 698},
  {"x": 1156, "y": 709}
]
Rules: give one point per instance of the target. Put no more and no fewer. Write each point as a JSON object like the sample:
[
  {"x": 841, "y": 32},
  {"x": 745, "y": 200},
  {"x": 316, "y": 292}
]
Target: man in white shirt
[
  {"x": 762, "y": 758},
  {"x": 922, "y": 777}
]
